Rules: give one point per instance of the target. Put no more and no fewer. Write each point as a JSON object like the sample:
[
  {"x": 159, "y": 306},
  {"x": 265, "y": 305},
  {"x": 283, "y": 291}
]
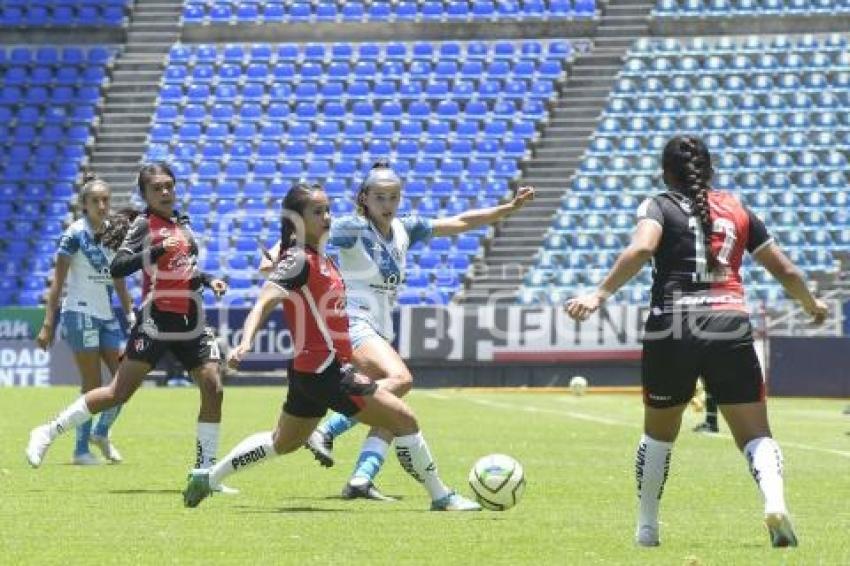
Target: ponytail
[{"x": 114, "y": 229}]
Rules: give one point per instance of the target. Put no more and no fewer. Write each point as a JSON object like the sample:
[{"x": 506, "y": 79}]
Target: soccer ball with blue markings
[{"x": 498, "y": 482}]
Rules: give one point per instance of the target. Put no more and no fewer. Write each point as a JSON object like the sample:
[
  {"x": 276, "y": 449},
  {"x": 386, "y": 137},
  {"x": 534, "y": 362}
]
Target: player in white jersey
[
  {"x": 373, "y": 247},
  {"x": 89, "y": 324}
]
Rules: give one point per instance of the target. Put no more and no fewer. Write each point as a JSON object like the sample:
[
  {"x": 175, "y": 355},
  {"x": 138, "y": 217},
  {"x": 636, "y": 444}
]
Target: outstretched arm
[
  {"x": 270, "y": 296},
  {"x": 789, "y": 275},
  {"x": 642, "y": 247},
  {"x": 482, "y": 216}
]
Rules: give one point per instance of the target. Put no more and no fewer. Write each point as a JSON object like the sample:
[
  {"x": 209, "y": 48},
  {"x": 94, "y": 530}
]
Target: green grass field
[{"x": 579, "y": 507}]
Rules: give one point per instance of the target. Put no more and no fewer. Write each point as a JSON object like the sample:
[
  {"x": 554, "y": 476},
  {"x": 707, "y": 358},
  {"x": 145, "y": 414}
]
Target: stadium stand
[
  {"x": 223, "y": 12},
  {"x": 735, "y": 8},
  {"x": 63, "y": 13},
  {"x": 773, "y": 111},
  {"x": 48, "y": 104},
  {"x": 241, "y": 122}
]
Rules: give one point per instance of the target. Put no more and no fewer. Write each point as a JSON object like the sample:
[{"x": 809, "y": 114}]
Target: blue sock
[
  {"x": 107, "y": 418},
  {"x": 337, "y": 424},
  {"x": 371, "y": 459},
  {"x": 83, "y": 434}
]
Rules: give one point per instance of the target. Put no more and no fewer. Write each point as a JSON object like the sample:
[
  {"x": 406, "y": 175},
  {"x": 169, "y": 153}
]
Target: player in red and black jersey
[
  {"x": 696, "y": 237},
  {"x": 321, "y": 376},
  {"x": 171, "y": 317}
]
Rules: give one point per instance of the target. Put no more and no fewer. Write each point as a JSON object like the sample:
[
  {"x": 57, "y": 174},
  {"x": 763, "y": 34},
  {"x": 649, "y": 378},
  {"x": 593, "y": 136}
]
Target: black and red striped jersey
[
  {"x": 681, "y": 279},
  {"x": 314, "y": 309}
]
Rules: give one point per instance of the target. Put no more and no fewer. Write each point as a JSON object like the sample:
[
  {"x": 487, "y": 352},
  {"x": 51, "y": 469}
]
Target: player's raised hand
[
  {"x": 818, "y": 312},
  {"x": 523, "y": 195},
  {"x": 236, "y": 356},
  {"x": 580, "y": 308}
]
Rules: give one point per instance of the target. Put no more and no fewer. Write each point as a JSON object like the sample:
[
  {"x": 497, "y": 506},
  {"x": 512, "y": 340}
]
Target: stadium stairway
[
  {"x": 558, "y": 152},
  {"x": 122, "y": 137}
]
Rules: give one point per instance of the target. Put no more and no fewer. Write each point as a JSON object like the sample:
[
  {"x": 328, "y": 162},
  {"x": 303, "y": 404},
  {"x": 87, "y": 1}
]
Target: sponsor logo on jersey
[{"x": 709, "y": 300}]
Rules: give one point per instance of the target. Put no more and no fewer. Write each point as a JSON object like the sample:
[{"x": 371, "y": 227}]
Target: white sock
[
  {"x": 765, "y": 459},
  {"x": 206, "y": 445},
  {"x": 652, "y": 463},
  {"x": 256, "y": 448},
  {"x": 415, "y": 458},
  {"x": 73, "y": 416}
]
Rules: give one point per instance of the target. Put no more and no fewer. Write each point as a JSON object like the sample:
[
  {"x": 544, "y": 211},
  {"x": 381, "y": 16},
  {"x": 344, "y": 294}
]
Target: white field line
[{"x": 607, "y": 421}]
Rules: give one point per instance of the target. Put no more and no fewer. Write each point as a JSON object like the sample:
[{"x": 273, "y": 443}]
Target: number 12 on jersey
[{"x": 722, "y": 226}]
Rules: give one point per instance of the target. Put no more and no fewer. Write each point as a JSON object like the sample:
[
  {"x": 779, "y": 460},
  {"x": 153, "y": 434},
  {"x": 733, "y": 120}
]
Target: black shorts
[
  {"x": 149, "y": 340},
  {"x": 717, "y": 346},
  {"x": 340, "y": 388}
]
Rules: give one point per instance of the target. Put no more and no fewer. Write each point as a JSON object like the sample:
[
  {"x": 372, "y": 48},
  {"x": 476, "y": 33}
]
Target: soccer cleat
[
  {"x": 106, "y": 448},
  {"x": 197, "y": 489},
  {"x": 364, "y": 491},
  {"x": 321, "y": 444},
  {"x": 454, "y": 502},
  {"x": 706, "y": 428},
  {"x": 647, "y": 535},
  {"x": 781, "y": 530},
  {"x": 87, "y": 459},
  {"x": 38, "y": 444}
]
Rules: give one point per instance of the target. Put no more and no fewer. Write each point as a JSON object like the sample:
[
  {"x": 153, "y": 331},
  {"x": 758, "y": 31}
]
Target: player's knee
[
  {"x": 210, "y": 385},
  {"x": 399, "y": 382}
]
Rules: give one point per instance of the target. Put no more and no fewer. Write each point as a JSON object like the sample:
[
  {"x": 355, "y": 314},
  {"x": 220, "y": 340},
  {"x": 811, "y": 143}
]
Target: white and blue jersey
[
  {"x": 88, "y": 321},
  {"x": 373, "y": 266}
]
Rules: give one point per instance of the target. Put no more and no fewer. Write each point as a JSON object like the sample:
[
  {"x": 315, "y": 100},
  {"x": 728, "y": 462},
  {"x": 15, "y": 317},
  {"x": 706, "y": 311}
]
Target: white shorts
[{"x": 361, "y": 330}]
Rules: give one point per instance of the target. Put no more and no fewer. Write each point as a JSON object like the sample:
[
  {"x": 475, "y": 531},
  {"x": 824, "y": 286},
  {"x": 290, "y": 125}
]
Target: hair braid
[{"x": 697, "y": 173}]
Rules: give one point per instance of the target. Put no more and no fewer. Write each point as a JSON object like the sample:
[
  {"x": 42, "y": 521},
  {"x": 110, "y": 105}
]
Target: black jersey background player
[
  {"x": 159, "y": 242},
  {"x": 698, "y": 326}
]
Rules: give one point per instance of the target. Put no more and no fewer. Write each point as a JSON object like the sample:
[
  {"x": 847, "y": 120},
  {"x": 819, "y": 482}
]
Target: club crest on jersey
[
  {"x": 140, "y": 345},
  {"x": 164, "y": 232}
]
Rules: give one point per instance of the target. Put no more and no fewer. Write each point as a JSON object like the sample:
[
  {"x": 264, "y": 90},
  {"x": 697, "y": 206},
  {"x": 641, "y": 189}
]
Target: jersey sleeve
[
  {"x": 418, "y": 229},
  {"x": 649, "y": 209},
  {"x": 758, "y": 236},
  {"x": 291, "y": 271},
  {"x": 136, "y": 238},
  {"x": 69, "y": 242},
  {"x": 345, "y": 231}
]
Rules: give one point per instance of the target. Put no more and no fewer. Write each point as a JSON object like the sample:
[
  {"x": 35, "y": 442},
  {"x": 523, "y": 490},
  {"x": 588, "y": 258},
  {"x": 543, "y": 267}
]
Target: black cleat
[
  {"x": 321, "y": 445},
  {"x": 706, "y": 428},
  {"x": 364, "y": 491}
]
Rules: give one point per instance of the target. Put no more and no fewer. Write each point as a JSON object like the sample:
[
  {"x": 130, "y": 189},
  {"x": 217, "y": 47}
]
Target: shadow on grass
[{"x": 145, "y": 491}]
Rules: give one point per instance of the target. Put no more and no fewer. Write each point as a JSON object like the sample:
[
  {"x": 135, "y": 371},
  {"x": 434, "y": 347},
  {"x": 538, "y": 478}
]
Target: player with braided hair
[
  {"x": 89, "y": 325},
  {"x": 699, "y": 326}
]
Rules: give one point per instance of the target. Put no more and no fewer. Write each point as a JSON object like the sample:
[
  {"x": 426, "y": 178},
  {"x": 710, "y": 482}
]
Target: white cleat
[
  {"x": 87, "y": 459},
  {"x": 39, "y": 443},
  {"x": 647, "y": 535},
  {"x": 106, "y": 448}
]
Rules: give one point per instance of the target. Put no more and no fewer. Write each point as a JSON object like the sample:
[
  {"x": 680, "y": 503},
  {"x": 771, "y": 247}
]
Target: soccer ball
[
  {"x": 497, "y": 481},
  {"x": 578, "y": 385}
]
